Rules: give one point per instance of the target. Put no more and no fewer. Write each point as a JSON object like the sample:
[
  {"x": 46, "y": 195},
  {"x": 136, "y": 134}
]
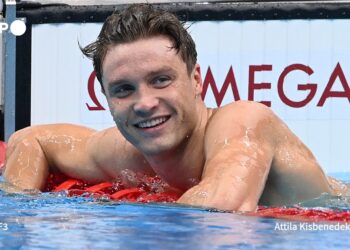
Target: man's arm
[
  {"x": 239, "y": 150},
  {"x": 252, "y": 156},
  {"x": 32, "y": 150},
  {"x": 76, "y": 151}
]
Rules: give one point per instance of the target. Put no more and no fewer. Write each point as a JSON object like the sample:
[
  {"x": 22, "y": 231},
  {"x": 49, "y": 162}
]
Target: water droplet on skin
[
  {"x": 246, "y": 139},
  {"x": 128, "y": 175},
  {"x": 202, "y": 194},
  {"x": 238, "y": 179},
  {"x": 63, "y": 140},
  {"x": 193, "y": 181},
  {"x": 226, "y": 142}
]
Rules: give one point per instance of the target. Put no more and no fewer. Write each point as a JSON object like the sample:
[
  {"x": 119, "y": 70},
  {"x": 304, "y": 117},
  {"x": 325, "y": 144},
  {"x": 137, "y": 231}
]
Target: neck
[{"x": 182, "y": 167}]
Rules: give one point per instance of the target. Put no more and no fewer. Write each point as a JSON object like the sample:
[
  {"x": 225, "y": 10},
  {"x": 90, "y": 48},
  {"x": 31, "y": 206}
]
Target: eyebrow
[
  {"x": 161, "y": 70},
  {"x": 151, "y": 74},
  {"x": 164, "y": 70}
]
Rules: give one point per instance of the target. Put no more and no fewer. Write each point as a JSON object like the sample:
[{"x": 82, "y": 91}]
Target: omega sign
[{"x": 310, "y": 89}]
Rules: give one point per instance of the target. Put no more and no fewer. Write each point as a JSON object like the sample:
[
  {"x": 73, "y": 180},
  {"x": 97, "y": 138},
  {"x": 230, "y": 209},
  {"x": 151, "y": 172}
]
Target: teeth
[{"x": 151, "y": 123}]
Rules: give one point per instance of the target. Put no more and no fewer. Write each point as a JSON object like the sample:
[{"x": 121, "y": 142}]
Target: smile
[{"x": 152, "y": 122}]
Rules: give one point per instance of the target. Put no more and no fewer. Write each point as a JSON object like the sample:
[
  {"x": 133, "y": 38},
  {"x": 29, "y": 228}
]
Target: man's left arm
[{"x": 239, "y": 149}]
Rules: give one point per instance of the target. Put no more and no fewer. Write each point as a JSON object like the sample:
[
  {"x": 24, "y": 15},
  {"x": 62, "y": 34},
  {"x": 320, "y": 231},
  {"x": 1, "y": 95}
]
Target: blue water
[{"x": 54, "y": 221}]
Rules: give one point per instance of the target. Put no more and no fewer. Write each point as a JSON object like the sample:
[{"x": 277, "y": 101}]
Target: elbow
[{"x": 213, "y": 200}]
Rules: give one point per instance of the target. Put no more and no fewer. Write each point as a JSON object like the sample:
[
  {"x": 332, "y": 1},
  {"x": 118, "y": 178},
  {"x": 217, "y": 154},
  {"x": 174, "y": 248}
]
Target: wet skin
[{"x": 230, "y": 158}]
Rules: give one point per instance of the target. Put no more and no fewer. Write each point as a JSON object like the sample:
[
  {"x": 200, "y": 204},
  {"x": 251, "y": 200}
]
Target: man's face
[{"x": 150, "y": 94}]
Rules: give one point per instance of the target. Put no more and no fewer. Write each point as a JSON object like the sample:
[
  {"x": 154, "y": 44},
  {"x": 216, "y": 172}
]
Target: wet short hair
[{"x": 136, "y": 22}]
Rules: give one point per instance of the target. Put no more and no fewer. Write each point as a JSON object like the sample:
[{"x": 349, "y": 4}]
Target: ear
[{"x": 197, "y": 78}]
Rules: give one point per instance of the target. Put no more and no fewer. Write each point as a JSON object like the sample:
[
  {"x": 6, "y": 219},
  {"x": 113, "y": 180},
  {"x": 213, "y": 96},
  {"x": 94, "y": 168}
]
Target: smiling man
[{"x": 230, "y": 158}]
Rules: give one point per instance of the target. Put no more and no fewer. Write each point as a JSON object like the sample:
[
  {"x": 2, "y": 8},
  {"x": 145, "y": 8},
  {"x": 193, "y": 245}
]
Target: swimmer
[{"x": 230, "y": 158}]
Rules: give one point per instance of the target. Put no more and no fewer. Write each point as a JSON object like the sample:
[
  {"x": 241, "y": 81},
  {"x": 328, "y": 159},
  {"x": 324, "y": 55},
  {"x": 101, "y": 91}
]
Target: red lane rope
[
  {"x": 67, "y": 185},
  {"x": 131, "y": 194},
  {"x": 303, "y": 214},
  {"x": 99, "y": 187},
  {"x": 138, "y": 194},
  {"x": 2, "y": 153},
  {"x": 116, "y": 191}
]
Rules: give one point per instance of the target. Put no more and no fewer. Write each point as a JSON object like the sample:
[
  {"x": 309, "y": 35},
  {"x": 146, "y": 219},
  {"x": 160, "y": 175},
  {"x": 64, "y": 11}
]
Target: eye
[
  {"x": 161, "y": 81},
  {"x": 121, "y": 91}
]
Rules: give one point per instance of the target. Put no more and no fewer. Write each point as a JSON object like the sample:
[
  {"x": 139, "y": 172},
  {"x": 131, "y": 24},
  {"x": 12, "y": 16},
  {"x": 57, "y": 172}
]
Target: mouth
[{"x": 151, "y": 123}]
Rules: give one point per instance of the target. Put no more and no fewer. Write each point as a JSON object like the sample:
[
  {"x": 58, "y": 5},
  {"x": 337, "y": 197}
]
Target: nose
[{"x": 146, "y": 102}]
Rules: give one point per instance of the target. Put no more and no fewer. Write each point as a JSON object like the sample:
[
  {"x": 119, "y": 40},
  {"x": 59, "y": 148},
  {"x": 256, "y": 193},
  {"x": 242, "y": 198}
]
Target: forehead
[{"x": 140, "y": 57}]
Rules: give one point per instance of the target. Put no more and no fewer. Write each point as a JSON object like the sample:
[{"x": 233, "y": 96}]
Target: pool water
[{"x": 54, "y": 221}]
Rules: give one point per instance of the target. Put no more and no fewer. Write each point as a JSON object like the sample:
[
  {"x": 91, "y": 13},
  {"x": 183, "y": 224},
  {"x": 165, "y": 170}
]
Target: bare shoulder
[
  {"x": 235, "y": 119},
  {"x": 243, "y": 112},
  {"x": 48, "y": 131}
]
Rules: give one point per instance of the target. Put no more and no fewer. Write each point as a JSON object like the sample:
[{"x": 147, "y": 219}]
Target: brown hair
[{"x": 136, "y": 22}]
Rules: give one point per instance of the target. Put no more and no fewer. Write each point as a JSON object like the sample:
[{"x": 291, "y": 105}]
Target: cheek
[
  {"x": 116, "y": 111},
  {"x": 183, "y": 90},
  {"x": 183, "y": 96}
]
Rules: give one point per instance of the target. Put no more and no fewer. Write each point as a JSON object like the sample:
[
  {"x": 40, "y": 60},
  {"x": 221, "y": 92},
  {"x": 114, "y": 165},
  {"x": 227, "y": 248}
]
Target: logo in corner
[{"x": 17, "y": 27}]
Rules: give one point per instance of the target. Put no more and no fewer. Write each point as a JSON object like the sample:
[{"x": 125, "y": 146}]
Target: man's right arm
[{"x": 35, "y": 151}]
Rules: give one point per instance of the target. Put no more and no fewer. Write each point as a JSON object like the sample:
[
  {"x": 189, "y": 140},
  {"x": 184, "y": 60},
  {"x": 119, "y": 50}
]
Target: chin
[{"x": 155, "y": 148}]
